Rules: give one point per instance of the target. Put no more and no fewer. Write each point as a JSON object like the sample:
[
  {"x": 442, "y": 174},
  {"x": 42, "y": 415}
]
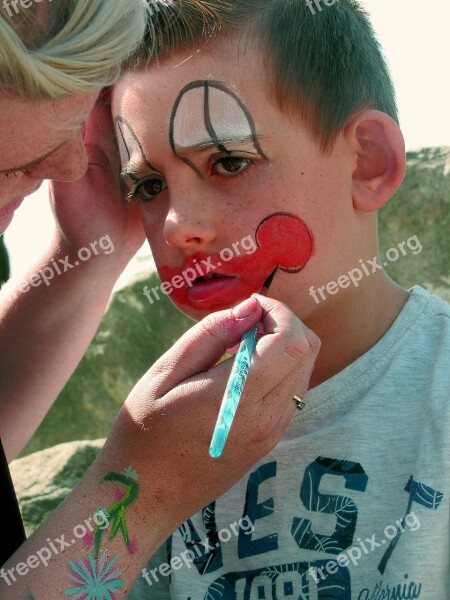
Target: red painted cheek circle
[{"x": 284, "y": 241}]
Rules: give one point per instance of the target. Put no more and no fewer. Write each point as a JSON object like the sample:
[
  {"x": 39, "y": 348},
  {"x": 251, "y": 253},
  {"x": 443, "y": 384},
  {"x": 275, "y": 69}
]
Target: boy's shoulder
[
  {"x": 412, "y": 357},
  {"x": 421, "y": 333},
  {"x": 431, "y": 310},
  {"x": 420, "y": 359}
]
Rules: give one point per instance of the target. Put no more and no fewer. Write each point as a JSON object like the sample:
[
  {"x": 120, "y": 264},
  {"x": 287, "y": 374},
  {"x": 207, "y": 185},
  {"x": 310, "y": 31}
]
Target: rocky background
[{"x": 134, "y": 333}]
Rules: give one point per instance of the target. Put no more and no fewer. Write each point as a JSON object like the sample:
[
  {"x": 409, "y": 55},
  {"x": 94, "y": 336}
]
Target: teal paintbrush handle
[{"x": 233, "y": 391}]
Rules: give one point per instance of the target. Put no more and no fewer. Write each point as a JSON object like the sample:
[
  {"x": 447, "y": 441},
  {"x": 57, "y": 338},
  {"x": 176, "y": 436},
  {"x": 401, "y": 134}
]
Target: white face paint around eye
[
  {"x": 130, "y": 149},
  {"x": 189, "y": 127},
  {"x": 128, "y": 145},
  {"x": 227, "y": 117},
  {"x": 206, "y": 114}
]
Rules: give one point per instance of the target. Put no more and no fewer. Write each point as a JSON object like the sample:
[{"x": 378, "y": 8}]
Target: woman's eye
[
  {"x": 15, "y": 174},
  {"x": 149, "y": 188},
  {"x": 231, "y": 166}
]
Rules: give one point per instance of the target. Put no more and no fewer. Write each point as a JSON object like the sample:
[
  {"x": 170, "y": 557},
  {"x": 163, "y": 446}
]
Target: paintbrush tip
[{"x": 268, "y": 282}]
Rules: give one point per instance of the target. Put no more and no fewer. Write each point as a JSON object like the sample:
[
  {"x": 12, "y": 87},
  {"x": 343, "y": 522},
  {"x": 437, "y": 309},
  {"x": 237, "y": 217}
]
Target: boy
[{"x": 271, "y": 120}]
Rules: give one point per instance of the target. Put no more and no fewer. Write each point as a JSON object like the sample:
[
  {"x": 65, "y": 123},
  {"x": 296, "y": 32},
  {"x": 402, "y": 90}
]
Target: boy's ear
[{"x": 379, "y": 156}]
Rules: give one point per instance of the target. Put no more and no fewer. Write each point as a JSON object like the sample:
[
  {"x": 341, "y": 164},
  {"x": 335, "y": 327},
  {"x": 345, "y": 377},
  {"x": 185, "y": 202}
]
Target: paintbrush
[{"x": 235, "y": 384}]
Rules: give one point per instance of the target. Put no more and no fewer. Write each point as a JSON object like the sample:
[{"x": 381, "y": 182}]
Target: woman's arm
[
  {"x": 48, "y": 319},
  {"x": 154, "y": 470}
]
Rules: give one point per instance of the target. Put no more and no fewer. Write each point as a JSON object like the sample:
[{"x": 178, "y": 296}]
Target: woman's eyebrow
[{"x": 33, "y": 163}]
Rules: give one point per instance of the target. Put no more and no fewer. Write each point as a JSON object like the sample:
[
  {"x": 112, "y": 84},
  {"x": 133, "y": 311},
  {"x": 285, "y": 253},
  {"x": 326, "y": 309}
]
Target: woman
[{"x": 154, "y": 470}]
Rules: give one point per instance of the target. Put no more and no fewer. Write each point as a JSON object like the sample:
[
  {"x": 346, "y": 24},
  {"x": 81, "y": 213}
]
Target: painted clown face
[{"x": 232, "y": 191}]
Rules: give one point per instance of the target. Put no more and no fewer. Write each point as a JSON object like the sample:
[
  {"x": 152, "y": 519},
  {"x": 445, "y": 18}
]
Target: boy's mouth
[
  {"x": 209, "y": 277},
  {"x": 283, "y": 242},
  {"x": 210, "y": 290}
]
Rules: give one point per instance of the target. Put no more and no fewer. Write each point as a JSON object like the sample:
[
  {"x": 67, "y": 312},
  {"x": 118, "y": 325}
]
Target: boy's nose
[{"x": 188, "y": 230}]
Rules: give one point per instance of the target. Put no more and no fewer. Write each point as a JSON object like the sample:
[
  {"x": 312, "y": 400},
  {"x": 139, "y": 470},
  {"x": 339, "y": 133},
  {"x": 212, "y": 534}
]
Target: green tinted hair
[
  {"x": 57, "y": 48},
  {"x": 321, "y": 67}
]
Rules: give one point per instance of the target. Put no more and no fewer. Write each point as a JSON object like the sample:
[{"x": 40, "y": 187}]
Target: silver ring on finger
[{"x": 299, "y": 402}]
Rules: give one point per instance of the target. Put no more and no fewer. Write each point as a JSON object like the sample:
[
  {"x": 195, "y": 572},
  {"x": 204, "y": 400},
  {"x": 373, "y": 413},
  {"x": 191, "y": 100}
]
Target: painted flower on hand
[
  {"x": 95, "y": 579},
  {"x": 130, "y": 472}
]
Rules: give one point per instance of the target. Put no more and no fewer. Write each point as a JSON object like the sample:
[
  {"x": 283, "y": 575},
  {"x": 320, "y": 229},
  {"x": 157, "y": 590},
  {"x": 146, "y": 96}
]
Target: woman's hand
[
  {"x": 167, "y": 422},
  {"x": 154, "y": 470},
  {"x": 93, "y": 207}
]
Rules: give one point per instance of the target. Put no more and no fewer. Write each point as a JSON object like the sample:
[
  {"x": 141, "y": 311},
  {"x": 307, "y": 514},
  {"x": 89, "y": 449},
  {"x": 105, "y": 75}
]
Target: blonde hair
[{"x": 60, "y": 48}]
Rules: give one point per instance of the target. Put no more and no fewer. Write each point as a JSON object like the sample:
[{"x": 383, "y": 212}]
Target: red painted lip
[
  {"x": 204, "y": 294},
  {"x": 283, "y": 241},
  {"x": 10, "y": 208},
  {"x": 218, "y": 294}
]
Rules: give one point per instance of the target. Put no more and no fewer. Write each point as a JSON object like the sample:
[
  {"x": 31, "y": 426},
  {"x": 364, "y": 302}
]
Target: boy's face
[{"x": 214, "y": 162}]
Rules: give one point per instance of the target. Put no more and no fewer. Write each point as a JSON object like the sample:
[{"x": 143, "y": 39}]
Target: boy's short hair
[{"x": 320, "y": 65}]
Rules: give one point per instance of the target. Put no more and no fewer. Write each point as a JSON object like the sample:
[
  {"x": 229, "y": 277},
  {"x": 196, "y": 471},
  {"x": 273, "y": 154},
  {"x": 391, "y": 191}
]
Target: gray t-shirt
[{"x": 353, "y": 503}]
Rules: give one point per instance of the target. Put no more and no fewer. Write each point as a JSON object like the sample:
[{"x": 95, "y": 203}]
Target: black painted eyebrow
[
  {"x": 120, "y": 121},
  {"x": 135, "y": 169},
  {"x": 219, "y": 142}
]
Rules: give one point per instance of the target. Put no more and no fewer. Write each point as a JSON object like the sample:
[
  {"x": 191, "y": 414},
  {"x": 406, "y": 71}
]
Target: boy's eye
[
  {"x": 231, "y": 166},
  {"x": 147, "y": 189}
]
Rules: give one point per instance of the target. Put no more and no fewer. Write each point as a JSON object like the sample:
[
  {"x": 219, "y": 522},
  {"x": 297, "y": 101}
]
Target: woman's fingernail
[{"x": 246, "y": 309}]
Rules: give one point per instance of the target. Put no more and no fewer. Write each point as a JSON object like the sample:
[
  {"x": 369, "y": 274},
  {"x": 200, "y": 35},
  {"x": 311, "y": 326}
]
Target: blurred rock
[
  {"x": 132, "y": 336},
  {"x": 42, "y": 480},
  {"x": 421, "y": 207}
]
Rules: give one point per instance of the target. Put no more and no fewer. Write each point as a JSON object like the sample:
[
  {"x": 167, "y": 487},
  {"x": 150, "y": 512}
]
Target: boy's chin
[
  {"x": 197, "y": 314},
  {"x": 193, "y": 313}
]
